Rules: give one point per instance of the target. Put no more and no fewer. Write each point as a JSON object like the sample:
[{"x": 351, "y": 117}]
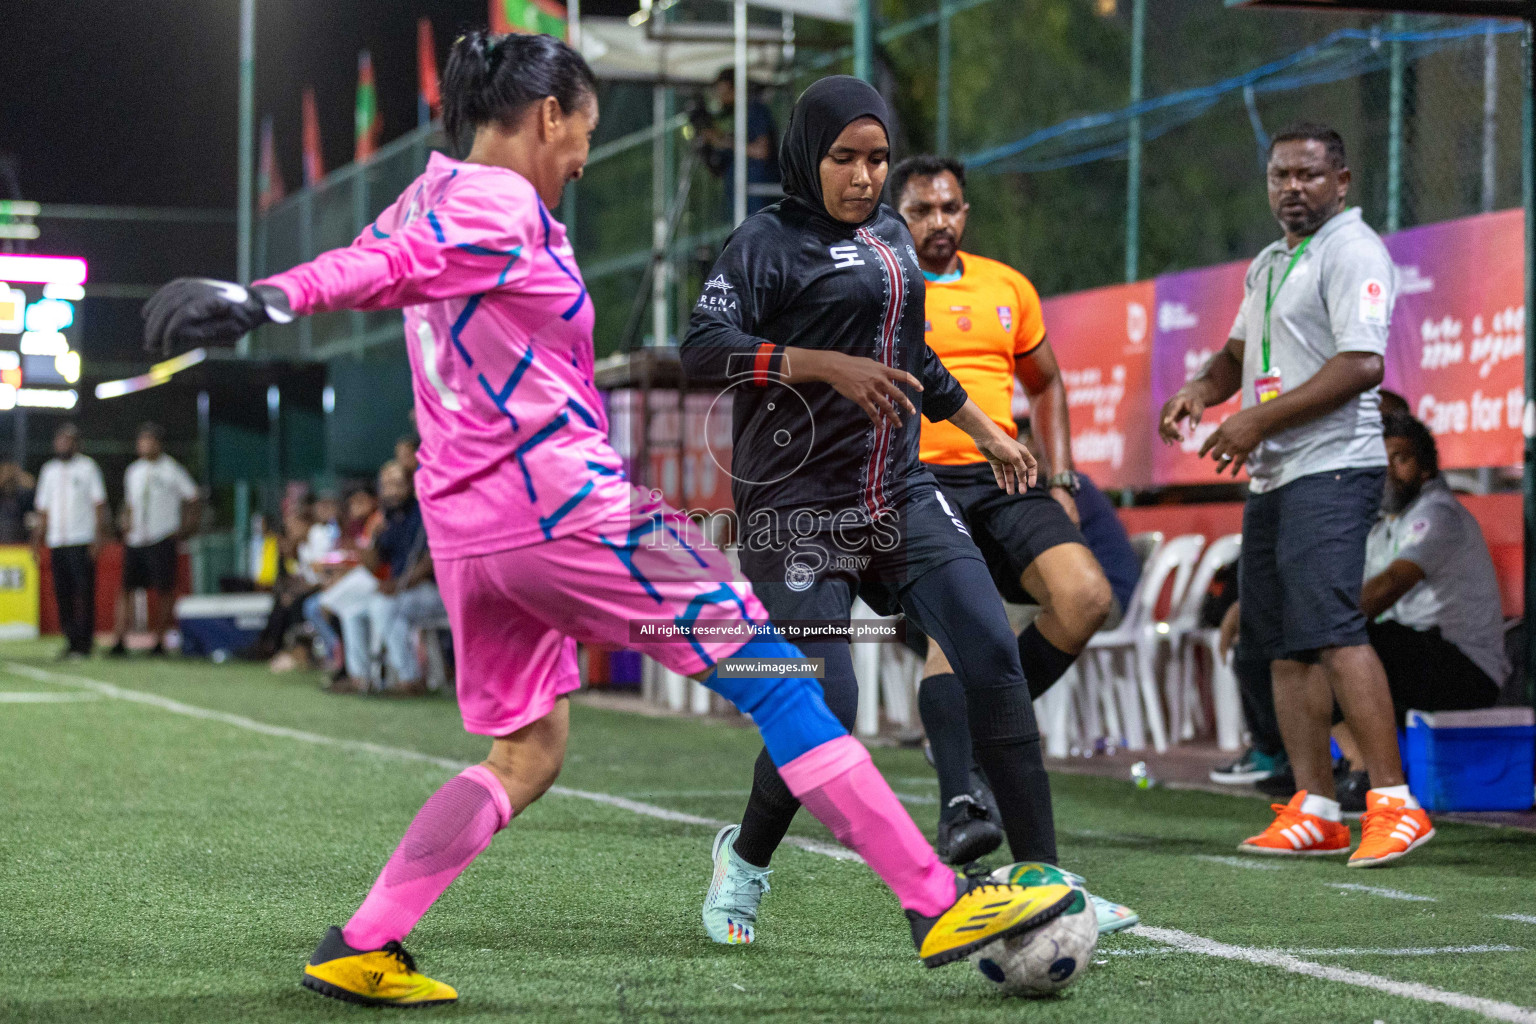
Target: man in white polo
[
  {"x": 72, "y": 517},
  {"x": 1306, "y": 351},
  {"x": 160, "y": 503}
]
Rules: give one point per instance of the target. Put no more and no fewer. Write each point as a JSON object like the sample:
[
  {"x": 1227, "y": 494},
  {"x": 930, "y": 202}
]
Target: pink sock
[
  {"x": 839, "y": 784},
  {"x": 451, "y": 829}
]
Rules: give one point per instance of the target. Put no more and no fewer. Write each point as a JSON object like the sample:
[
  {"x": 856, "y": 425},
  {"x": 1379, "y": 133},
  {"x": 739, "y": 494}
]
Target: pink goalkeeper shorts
[{"x": 517, "y": 615}]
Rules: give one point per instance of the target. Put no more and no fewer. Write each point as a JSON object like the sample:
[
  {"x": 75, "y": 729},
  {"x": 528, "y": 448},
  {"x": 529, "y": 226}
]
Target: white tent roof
[{"x": 616, "y": 49}]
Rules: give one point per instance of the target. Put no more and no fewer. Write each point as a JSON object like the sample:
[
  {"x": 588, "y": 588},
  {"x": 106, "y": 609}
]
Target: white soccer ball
[{"x": 1046, "y": 959}]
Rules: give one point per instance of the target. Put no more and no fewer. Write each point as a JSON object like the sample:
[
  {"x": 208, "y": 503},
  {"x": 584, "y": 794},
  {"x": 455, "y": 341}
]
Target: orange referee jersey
[{"x": 978, "y": 326}]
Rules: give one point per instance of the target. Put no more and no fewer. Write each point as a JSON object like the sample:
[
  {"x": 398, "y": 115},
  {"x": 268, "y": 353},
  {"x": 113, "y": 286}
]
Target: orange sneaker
[
  {"x": 1295, "y": 833},
  {"x": 1389, "y": 829}
]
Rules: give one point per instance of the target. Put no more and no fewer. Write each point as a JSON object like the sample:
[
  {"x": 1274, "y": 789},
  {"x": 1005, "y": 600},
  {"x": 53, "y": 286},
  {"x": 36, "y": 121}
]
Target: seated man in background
[{"x": 1431, "y": 596}]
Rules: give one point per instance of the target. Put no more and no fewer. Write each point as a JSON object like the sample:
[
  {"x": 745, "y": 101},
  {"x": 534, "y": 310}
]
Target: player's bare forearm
[
  {"x": 1041, "y": 377},
  {"x": 1340, "y": 379}
]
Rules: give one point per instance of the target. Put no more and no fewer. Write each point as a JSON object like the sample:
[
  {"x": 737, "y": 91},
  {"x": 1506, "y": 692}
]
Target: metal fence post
[
  {"x": 941, "y": 126},
  {"x": 864, "y": 40},
  {"x": 1528, "y": 190},
  {"x": 1395, "y": 131},
  {"x": 1133, "y": 151},
  {"x": 244, "y": 186},
  {"x": 1490, "y": 117}
]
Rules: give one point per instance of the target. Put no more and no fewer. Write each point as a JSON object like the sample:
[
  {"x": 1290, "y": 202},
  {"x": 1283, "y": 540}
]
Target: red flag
[
  {"x": 314, "y": 163},
  {"x": 429, "y": 100},
  {"x": 369, "y": 126},
  {"x": 269, "y": 180}
]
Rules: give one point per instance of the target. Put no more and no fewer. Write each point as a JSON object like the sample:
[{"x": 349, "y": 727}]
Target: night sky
[{"x": 135, "y": 102}]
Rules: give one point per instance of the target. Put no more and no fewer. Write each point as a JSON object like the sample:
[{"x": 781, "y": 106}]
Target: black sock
[
  {"x": 770, "y": 810},
  {"x": 941, "y": 703},
  {"x": 1043, "y": 661},
  {"x": 1007, "y": 745}
]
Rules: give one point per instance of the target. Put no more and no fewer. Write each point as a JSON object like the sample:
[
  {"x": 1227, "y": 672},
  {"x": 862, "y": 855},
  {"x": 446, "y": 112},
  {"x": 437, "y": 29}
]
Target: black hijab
[{"x": 821, "y": 113}]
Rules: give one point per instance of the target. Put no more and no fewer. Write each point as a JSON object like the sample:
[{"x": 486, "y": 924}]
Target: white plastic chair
[
  {"x": 1081, "y": 708},
  {"x": 1125, "y": 658},
  {"x": 1186, "y": 637}
]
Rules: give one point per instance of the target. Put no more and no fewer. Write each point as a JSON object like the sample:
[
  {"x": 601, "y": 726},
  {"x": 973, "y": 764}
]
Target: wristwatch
[{"x": 1067, "y": 481}]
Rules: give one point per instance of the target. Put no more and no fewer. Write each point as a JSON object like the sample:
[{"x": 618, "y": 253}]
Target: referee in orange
[{"x": 985, "y": 324}]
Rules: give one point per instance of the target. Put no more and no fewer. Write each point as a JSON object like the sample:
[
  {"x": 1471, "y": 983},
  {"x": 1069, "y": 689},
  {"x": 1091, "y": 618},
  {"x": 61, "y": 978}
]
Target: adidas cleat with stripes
[
  {"x": 983, "y": 913},
  {"x": 379, "y": 977},
  {"x": 1295, "y": 833}
]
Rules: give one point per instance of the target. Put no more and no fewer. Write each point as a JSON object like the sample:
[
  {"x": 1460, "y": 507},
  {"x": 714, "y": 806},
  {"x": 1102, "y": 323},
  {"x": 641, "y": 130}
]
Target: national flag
[
  {"x": 545, "y": 16},
  {"x": 369, "y": 127},
  {"x": 314, "y": 161},
  {"x": 269, "y": 180},
  {"x": 429, "y": 100}
]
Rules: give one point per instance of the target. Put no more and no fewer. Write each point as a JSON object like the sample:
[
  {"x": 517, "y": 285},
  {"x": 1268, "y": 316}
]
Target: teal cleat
[
  {"x": 1112, "y": 917},
  {"x": 730, "y": 906}
]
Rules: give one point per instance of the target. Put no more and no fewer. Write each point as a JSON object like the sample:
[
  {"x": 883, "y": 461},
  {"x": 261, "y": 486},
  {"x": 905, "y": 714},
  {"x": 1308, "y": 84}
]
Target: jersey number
[{"x": 428, "y": 342}]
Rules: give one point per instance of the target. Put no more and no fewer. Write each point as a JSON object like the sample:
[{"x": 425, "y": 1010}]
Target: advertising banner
[
  {"x": 1103, "y": 342},
  {"x": 1457, "y": 345},
  {"x": 1195, "y": 310}
]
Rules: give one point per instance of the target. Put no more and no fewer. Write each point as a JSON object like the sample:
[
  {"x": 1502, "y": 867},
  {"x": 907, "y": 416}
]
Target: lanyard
[{"x": 1271, "y": 292}]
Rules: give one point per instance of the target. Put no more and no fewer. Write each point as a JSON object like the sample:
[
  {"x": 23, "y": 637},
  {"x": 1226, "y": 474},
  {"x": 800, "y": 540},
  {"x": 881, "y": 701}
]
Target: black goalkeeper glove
[{"x": 194, "y": 311}]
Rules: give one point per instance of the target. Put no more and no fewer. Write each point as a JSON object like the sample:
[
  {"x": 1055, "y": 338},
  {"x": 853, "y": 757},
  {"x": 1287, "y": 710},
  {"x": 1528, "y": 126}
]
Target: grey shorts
[{"x": 1303, "y": 563}]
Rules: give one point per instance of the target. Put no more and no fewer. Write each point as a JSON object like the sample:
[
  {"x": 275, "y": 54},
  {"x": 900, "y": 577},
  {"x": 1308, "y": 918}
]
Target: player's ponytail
[{"x": 495, "y": 78}]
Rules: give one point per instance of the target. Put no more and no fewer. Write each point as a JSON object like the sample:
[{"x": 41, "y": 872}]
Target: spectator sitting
[
  {"x": 318, "y": 566},
  {"x": 293, "y": 584},
  {"x": 369, "y": 628},
  {"x": 405, "y": 453},
  {"x": 1431, "y": 594},
  {"x": 351, "y": 588},
  {"x": 160, "y": 504}
]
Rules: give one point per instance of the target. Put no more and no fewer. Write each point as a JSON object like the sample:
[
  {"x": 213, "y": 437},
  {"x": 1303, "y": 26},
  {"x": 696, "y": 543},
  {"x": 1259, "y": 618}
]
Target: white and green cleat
[
  {"x": 1112, "y": 917},
  {"x": 730, "y": 906}
]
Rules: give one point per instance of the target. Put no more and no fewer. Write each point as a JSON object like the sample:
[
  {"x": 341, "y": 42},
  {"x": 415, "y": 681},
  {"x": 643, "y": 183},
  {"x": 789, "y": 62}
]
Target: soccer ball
[{"x": 1051, "y": 957}]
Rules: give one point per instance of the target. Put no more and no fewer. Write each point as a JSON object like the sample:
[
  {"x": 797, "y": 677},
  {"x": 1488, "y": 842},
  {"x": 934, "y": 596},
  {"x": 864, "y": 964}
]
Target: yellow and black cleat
[
  {"x": 379, "y": 977},
  {"x": 983, "y": 914}
]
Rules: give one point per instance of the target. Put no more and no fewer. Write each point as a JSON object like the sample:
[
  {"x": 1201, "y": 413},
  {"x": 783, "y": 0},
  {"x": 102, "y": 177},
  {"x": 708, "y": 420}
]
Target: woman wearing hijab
[{"x": 813, "y": 317}]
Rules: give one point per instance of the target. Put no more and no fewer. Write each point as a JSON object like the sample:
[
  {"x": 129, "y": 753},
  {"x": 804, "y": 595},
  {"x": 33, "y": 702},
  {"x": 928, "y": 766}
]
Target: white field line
[
  {"x": 1376, "y": 890},
  {"x": 1490, "y": 1008},
  {"x": 704, "y": 794},
  {"x": 1335, "y": 951},
  {"x": 1248, "y": 863},
  {"x": 16, "y": 697},
  {"x": 1522, "y": 918}
]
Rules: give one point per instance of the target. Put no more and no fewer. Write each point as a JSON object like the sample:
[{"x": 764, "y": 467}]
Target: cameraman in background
[{"x": 712, "y": 119}]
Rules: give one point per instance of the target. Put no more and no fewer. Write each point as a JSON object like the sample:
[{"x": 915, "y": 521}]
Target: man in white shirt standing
[
  {"x": 160, "y": 502},
  {"x": 72, "y": 516}
]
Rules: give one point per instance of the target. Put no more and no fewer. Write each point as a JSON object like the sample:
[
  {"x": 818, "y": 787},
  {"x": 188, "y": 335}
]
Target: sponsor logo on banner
[
  {"x": 1005, "y": 317},
  {"x": 1176, "y": 316},
  {"x": 1373, "y": 302},
  {"x": 1136, "y": 323}
]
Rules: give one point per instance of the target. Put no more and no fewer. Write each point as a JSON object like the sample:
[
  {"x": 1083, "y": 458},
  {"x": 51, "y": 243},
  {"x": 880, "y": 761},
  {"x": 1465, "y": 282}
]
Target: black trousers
[
  {"x": 1425, "y": 672},
  {"x": 74, "y": 588}
]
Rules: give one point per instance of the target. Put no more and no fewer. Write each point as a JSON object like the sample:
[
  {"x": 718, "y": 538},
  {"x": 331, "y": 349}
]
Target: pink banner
[
  {"x": 1103, "y": 342},
  {"x": 1458, "y": 334},
  {"x": 1195, "y": 311}
]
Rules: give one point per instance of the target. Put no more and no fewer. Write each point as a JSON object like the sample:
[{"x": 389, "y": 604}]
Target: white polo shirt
[
  {"x": 69, "y": 490},
  {"x": 154, "y": 491}
]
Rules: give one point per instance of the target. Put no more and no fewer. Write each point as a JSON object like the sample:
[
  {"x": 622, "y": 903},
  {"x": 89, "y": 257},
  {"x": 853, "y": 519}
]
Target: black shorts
[
  {"x": 1011, "y": 530},
  {"x": 1426, "y": 672},
  {"x": 151, "y": 567},
  {"x": 1303, "y": 563},
  {"x": 814, "y": 573}
]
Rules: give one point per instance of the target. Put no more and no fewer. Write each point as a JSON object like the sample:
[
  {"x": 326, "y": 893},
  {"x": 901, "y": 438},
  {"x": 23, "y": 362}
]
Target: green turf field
[{"x": 171, "y": 850}]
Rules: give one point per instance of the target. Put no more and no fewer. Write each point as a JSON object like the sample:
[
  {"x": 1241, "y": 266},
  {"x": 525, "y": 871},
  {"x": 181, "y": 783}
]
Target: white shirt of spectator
[
  {"x": 1459, "y": 594},
  {"x": 318, "y": 543},
  {"x": 155, "y": 490},
  {"x": 69, "y": 490}
]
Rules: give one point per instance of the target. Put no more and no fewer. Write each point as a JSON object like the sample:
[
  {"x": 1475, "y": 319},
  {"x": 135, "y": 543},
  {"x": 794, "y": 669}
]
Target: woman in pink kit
[{"x": 538, "y": 539}]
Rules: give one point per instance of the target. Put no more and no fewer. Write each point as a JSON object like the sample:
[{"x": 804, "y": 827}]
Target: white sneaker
[{"x": 730, "y": 906}]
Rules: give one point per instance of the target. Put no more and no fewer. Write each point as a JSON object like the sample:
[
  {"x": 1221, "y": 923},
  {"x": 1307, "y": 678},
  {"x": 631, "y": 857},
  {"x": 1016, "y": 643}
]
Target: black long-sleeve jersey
[{"x": 791, "y": 277}]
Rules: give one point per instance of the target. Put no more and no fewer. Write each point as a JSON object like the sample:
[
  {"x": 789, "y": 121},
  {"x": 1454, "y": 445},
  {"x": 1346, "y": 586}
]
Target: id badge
[{"x": 1267, "y": 386}]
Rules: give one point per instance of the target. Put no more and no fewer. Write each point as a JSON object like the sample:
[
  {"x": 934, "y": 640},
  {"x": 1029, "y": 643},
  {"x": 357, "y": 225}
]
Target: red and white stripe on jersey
[{"x": 890, "y": 322}]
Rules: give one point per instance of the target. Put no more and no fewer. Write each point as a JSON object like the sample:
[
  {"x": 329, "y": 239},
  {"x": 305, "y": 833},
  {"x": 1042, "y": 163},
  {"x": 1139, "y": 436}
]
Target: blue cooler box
[
  {"x": 1482, "y": 760},
  {"x": 217, "y": 625}
]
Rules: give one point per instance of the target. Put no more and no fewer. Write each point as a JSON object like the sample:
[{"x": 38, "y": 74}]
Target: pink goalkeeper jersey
[{"x": 514, "y": 438}]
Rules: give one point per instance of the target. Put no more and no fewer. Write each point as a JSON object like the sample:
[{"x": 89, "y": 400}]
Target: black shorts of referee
[{"x": 151, "y": 566}]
